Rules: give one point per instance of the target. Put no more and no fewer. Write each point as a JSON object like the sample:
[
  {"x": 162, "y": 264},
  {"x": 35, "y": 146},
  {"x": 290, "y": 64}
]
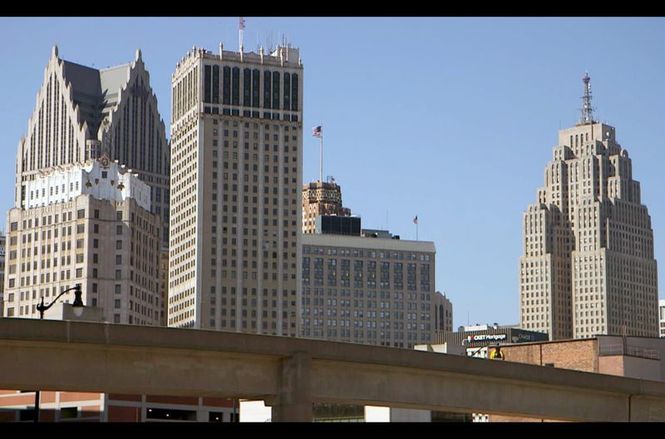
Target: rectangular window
[
  {"x": 215, "y": 84},
  {"x": 247, "y": 87},
  {"x": 287, "y": 91},
  {"x": 255, "y": 88},
  {"x": 207, "y": 80},
  {"x": 294, "y": 92},
  {"x": 69, "y": 412},
  {"x": 226, "y": 88},
  {"x": 267, "y": 81},
  {"x": 171, "y": 414},
  {"x": 275, "y": 90},
  {"x": 235, "y": 86}
]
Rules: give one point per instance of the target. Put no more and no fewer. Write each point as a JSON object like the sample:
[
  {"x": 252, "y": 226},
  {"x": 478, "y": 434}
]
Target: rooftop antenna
[
  {"x": 241, "y": 29},
  {"x": 587, "y": 109},
  {"x": 270, "y": 42}
]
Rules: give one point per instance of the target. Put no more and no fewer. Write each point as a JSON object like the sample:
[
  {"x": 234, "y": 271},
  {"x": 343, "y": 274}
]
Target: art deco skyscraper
[
  {"x": 235, "y": 191},
  {"x": 588, "y": 265},
  {"x": 321, "y": 198},
  {"x": 82, "y": 113}
]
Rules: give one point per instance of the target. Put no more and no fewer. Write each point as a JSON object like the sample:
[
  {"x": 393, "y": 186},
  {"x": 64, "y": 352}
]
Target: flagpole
[{"x": 321, "y": 157}]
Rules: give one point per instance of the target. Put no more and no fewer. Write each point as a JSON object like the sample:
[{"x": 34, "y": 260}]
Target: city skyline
[{"x": 373, "y": 118}]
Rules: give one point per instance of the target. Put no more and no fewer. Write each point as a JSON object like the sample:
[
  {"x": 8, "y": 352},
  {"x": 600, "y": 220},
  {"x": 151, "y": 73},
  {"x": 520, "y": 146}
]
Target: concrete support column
[{"x": 294, "y": 400}]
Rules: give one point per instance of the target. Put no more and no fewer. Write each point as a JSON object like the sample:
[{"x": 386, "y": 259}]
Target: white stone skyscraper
[
  {"x": 90, "y": 224},
  {"x": 588, "y": 265},
  {"x": 82, "y": 113},
  {"x": 236, "y": 185}
]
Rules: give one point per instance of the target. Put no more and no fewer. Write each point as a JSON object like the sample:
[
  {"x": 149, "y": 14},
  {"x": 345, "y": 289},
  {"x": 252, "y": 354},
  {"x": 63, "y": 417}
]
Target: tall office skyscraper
[
  {"x": 235, "y": 191},
  {"x": 82, "y": 112},
  {"x": 588, "y": 265}
]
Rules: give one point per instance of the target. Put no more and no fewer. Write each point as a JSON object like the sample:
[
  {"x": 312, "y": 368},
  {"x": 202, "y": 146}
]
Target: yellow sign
[{"x": 495, "y": 353}]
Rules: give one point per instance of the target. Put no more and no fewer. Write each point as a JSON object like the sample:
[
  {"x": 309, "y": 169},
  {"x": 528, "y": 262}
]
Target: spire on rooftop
[{"x": 587, "y": 109}]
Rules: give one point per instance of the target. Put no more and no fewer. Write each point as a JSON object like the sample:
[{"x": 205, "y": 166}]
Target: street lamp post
[{"x": 77, "y": 307}]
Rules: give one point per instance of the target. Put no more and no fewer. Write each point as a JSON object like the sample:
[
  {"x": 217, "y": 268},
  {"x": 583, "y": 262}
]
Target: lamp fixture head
[{"x": 78, "y": 305}]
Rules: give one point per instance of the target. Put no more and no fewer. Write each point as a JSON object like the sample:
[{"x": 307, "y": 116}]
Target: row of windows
[{"x": 251, "y": 89}]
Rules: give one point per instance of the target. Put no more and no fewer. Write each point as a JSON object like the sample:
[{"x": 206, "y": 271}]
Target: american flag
[
  {"x": 241, "y": 22},
  {"x": 415, "y": 220},
  {"x": 316, "y": 132}
]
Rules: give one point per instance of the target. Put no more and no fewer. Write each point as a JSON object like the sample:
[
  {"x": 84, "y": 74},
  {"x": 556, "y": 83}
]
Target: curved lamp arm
[{"x": 78, "y": 302}]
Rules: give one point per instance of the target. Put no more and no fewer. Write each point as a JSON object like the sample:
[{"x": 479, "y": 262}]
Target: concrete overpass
[{"x": 290, "y": 374}]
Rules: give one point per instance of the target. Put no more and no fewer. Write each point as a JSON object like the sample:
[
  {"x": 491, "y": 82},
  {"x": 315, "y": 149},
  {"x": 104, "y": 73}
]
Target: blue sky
[{"x": 450, "y": 119}]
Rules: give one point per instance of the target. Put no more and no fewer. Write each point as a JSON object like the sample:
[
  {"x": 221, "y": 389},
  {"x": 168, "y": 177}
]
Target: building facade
[
  {"x": 81, "y": 113},
  {"x": 89, "y": 224},
  {"x": 443, "y": 313},
  {"x": 235, "y": 191},
  {"x": 633, "y": 357},
  {"x": 321, "y": 198},
  {"x": 661, "y": 317},
  {"x": 476, "y": 340},
  {"x": 17, "y": 406},
  {"x": 587, "y": 265},
  {"x": 368, "y": 290},
  {"x": 3, "y": 242}
]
